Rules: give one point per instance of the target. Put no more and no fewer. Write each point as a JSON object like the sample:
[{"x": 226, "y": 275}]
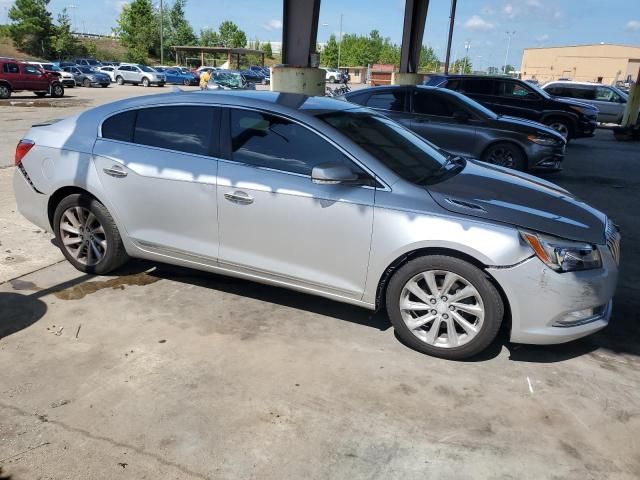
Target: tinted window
[
  {"x": 402, "y": 151},
  {"x": 183, "y": 128},
  {"x": 428, "y": 103},
  {"x": 120, "y": 126},
  {"x": 393, "y": 100},
  {"x": 11, "y": 68},
  {"x": 269, "y": 141},
  {"x": 477, "y": 86},
  {"x": 31, "y": 70},
  {"x": 606, "y": 95},
  {"x": 514, "y": 89}
]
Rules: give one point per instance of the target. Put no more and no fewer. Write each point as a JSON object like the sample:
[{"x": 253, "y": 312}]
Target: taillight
[{"x": 22, "y": 149}]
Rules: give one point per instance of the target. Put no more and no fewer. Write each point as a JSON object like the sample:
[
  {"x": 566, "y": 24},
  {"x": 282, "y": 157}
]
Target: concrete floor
[{"x": 161, "y": 372}]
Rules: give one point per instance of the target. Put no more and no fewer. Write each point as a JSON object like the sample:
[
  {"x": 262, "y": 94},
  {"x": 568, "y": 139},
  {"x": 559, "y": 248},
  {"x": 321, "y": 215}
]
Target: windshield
[
  {"x": 86, "y": 70},
  {"x": 406, "y": 154},
  {"x": 144, "y": 68},
  {"x": 538, "y": 89},
  {"x": 93, "y": 62},
  {"x": 226, "y": 79}
]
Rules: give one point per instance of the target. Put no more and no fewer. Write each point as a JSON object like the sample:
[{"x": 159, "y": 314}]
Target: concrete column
[
  {"x": 306, "y": 80},
  {"x": 398, "y": 78}
]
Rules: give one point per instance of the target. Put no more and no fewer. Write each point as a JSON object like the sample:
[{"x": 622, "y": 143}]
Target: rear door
[
  {"x": 433, "y": 118},
  {"x": 159, "y": 173},
  {"x": 275, "y": 222},
  {"x": 13, "y": 74}
]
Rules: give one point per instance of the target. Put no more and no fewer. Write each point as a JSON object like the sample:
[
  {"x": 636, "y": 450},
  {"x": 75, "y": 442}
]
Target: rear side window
[
  {"x": 478, "y": 86},
  {"x": 11, "y": 68},
  {"x": 393, "y": 100},
  {"x": 269, "y": 141},
  {"x": 184, "y": 128},
  {"x": 429, "y": 104},
  {"x": 120, "y": 126}
]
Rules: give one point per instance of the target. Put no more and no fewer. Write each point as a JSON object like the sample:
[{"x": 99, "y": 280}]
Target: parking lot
[{"x": 163, "y": 372}]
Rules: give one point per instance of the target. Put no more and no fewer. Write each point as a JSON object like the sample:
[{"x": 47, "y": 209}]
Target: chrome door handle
[
  {"x": 115, "y": 171},
  {"x": 239, "y": 197}
]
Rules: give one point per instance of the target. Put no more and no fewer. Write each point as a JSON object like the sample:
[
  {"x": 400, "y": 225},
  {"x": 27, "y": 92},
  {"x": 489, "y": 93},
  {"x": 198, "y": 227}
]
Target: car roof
[{"x": 573, "y": 82}]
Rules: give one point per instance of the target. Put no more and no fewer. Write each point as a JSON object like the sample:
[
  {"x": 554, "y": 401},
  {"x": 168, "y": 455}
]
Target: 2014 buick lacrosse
[{"x": 328, "y": 198}]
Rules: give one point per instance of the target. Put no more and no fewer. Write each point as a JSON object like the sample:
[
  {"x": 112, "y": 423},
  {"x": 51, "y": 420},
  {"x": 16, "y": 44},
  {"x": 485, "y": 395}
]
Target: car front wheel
[
  {"x": 506, "y": 155},
  {"x": 57, "y": 90},
  {"x": 120, "y": 80},
  {"x": 444, "y": 306},
  {"x": 563, "y": 127},
  {"x": 145, "y": 82},
  {"x": 87, "y": 235}
]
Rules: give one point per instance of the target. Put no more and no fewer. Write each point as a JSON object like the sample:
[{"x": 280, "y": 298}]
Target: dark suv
[
  {"x": 16, "y": 75},
  {"x": 508, "y": 96}
]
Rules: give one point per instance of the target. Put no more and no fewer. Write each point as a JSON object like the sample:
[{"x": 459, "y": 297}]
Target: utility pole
[
  {"x": 452, "y": 20},
  {"x": 340, "y": 44},
  {"x": 506, "y": 57},
  {"x": 161, "y": 35},
  {"x": 72, "y": 14},
  {"x": 467, "y": 46}
]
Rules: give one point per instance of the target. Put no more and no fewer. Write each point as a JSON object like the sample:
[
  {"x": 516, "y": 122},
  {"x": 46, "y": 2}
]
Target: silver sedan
[{"x": 324, "y": 197}]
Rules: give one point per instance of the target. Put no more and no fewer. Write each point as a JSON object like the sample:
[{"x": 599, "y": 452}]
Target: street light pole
[
  {"x": 506, "y": 57},
  {"x": 340, "y": 44},
  {"x": 467, "y": 46},
  {"x": 161, "y": 35}
]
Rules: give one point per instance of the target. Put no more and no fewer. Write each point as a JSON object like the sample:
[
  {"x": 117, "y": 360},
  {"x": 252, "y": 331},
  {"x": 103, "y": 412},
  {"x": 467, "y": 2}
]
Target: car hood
[
  {"x": 507, "y": 196},
  {"x": 575, "y": 103},
  {"x": 528, "y": 125}
]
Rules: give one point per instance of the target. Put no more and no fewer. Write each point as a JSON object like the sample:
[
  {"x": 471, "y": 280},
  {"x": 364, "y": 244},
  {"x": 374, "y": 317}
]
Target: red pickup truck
[{"x": 16, "y": 75}]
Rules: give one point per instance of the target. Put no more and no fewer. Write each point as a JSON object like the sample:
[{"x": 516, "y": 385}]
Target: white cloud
[
  {"x": 542, "y": 38},
  {"x": 509, "y": 11},
  {"x": 273, "y": 24},
  {"x": 633, "y": 25},
  {"x": 478, "y": 23},
  {"x": 534, "y": 4}
]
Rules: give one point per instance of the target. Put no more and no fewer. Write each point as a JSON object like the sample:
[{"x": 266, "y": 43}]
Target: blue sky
[{"x": 481, "y": 22}]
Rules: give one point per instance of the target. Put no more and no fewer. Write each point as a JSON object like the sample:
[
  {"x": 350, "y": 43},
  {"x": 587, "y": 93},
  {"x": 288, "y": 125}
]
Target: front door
[
  {"x": 158, "y": 168},
  {"x": 519, "y": 100},
  {"x": 610, "y": 105},
  {"x": 276, "y": 223},
  {"x": 433, "y": 119}
]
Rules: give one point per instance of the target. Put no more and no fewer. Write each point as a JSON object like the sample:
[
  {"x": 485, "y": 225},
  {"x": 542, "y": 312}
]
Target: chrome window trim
[{"x": 384, "y": 184}]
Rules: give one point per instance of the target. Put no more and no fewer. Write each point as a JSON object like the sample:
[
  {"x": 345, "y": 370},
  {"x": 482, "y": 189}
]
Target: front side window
[
  {"x": 11, "y": 68},
  {"x": 168, "y": 127},
  {"x": 405, "y": 153},
  {"x": 269, "y": 141},
  {"x": 427, "y": 103},
  {"x": 31, "y": 70},
  {"x": 144, "y": 68},
  {"x": 392, "y": 100},
  {"x": 515, "y": 90},
  {"x": 606, "y": 95}
]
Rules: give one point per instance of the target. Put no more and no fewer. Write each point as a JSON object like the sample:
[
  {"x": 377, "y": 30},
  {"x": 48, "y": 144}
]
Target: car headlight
[
  {"x": 543, "y": 140},
  {"x": 563, "y": 255}
]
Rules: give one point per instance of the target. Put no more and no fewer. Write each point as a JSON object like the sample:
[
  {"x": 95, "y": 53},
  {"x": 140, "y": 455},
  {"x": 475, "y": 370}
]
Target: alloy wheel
[
  {"x": 561, "y": 128},
  {"x": 501, "y": 156},
  {"x": 442, "y": 308},
  {"x": 83, "y": 236}
]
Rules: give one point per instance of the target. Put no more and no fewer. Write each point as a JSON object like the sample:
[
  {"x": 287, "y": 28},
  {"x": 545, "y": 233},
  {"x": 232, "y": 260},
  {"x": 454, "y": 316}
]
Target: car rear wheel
[
  {"x": 120, "y": 80},
  {"x": 57, "y": 90},
  {"x": 87, "y": 235},
  {"x": 562, "y": 126},
  {"x": 444, "y": 306},
  {"x": 5, "y": 91},
  {"x": 505, "y": 154},
  {"x": 86, "y": 82},
  {"x": 145, "y": 82}
]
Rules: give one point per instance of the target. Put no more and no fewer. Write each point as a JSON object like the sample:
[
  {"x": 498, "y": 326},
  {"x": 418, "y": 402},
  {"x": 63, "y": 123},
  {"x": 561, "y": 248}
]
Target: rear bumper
[
  {"x": 546, "y": 306},
  {"x": 31, "y": 204}
]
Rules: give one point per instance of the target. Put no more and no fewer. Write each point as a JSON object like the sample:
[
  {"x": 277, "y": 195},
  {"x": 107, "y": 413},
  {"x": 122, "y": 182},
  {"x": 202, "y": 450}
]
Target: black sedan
[{"x": 465, "y": 128}]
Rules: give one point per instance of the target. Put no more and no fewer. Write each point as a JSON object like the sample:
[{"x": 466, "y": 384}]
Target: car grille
[{"x": 613, "y": 240}]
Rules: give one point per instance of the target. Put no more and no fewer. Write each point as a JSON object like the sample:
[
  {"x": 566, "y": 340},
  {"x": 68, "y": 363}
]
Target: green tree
[
  {"x": 462, "y": 65},
  {"x": 181, "y": 30},
  {"x": 138, "y": 30},
  {"x": 63, "y": 43},
  {"x": 266, "y": 48},
  {"x": 390, "y": 54},
  {"x": 494, "y": 70},
  {"x": 209, "y": 37},
  {"x": 508, "y": 69},
  {"x": 231, "y": 36},
  {"x": 31, "y": 26},
  {"x": 329, "y": 54},
  {"x": 428, "y": 59}
]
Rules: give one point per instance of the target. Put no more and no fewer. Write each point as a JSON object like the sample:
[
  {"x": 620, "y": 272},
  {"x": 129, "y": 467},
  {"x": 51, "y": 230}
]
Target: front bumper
[
  {"x": 68, "y": 82},
  {"x": 546, "y": 158},
  {"x": 587, "y": 127},
  {"x": 540, "y": 299}
]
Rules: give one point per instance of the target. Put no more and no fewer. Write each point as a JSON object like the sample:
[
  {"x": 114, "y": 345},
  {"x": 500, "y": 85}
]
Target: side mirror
[
  {"x": 332, "y": 174},
  {"x": 461, "y": 116}
]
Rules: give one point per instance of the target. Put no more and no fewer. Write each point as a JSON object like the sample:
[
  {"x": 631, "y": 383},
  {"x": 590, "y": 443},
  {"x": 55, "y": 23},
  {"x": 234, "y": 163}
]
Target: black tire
[
  {"x": 186, "y": 82},
  {"x": 561, "y": 125},
  {"x": 5, "y": 91},
  {"x": 491, "y": 300},
  {"x": 86, "y": 83},
  {"x": 119, "y": 80},
  {"x": 40, "y": 94},
  {"x": 104, "y": 85},
  {"x": 57, "y": 90},
  {"x": 145, "y": 82},
  {"x": 505, "y": 154},
  {"x": 161, "y": 84},
  {"x": 115, "y": 255}
]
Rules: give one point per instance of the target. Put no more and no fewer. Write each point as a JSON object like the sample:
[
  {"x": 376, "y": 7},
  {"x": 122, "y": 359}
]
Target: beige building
[{"x": 603, "y": 63}]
